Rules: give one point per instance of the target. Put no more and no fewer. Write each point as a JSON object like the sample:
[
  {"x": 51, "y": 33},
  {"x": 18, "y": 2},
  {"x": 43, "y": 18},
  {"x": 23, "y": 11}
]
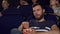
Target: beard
[{"x": 40, "y": 17}]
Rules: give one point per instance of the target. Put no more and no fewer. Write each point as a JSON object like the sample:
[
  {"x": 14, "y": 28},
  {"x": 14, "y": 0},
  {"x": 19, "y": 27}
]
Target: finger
[
  {"x": 26, "y": 31},
  {"x": 26, "y": 25}
]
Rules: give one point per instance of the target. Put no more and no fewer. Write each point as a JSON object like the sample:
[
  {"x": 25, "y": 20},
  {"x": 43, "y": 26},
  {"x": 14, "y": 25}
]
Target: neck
[{"x": 41, "y": 20}]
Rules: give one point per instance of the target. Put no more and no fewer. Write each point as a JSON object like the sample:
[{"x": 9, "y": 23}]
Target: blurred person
[
  {"x": 35, "y": 24},
  {"x": 54, "y": 4},
  {"x": 22, "y": 3},
  {"x": 5, "y": 5},
  {"x": 34, "y": 1}
]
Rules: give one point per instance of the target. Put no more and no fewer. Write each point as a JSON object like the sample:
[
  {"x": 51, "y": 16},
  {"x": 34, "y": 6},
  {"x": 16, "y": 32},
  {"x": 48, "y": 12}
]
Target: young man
[{"x": 39, "y": 23}]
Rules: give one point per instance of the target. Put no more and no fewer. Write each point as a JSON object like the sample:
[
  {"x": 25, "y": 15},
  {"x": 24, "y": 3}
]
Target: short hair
[{"x": 37, "y": 5}]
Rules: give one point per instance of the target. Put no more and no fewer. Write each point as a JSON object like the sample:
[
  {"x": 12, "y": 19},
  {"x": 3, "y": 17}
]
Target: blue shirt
[{"x": 46, "y": 25}]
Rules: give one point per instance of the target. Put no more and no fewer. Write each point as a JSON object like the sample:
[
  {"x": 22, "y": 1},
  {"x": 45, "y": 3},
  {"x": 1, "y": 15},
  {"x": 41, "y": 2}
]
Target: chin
[{"x": 37, "y": 17}]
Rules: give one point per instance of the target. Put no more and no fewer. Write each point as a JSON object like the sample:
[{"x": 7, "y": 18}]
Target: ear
[{"x": 43, "y": 10}]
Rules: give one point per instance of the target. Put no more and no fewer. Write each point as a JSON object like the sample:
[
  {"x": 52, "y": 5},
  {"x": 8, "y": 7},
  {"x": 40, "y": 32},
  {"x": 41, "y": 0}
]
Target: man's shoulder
[{"x": 51, "y": 22}]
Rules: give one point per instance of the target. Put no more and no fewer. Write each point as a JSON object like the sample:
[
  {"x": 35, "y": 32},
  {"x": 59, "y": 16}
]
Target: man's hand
[
  {"x": 54, "y": 28},
  {"x": 23, "y": 25},
  {"x": 29, "y": 31}
]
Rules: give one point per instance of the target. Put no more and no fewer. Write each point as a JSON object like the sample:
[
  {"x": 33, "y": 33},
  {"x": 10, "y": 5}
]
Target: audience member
[
  {"x": 54, "y": 4},
  {"x": 5, "y": 5},
  {"x": 39, "y": 23},
  {"x": 22, "y": 3}
]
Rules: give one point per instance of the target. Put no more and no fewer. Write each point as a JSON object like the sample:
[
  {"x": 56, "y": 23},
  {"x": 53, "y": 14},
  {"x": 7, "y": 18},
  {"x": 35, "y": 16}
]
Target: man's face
[
  {"x": 53, "y": 2},
  {"x": 38, "y": 12},
  {"x": 5, "y": 4}
]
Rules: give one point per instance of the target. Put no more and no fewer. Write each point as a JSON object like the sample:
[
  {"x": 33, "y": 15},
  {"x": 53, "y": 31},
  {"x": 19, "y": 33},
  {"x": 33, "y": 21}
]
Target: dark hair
[{"x": 36, "y": 5}]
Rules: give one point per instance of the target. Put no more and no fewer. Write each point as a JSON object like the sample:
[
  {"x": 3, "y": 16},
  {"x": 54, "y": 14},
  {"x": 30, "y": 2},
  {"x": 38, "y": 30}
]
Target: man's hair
[{"x": 37, "y": 5}]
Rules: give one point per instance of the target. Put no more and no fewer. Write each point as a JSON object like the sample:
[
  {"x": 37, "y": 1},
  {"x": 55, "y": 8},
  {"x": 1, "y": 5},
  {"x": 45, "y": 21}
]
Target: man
[
  {"x": 54, "y": 4},
  {"x": 37, "y": 24}
]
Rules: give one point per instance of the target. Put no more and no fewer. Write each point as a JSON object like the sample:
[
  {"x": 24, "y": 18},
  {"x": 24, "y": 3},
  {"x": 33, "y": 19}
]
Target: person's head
[
  {"x": 5, "y": 4},
  {"x": 54, "y": 2},
  {"x": 38, "y": 11},
  {"x": 23, "y": 2},
  {"x": 34, "y": 1}
]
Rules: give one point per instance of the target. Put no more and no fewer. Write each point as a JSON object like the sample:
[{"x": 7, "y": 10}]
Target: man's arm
[
  {"x": 20, "y": 27},
  {"x": 24, "y": 25}
]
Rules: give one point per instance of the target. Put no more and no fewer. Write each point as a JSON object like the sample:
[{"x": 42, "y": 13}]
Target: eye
[{"x": 37, "y": 9}]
